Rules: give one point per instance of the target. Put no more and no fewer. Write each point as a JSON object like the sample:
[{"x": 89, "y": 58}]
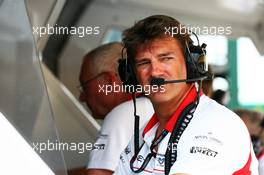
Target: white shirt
[
  {"x": 216, "y": 142},
  {"x": 116, "y": 132},
  {"x": 261, "y": 163}
]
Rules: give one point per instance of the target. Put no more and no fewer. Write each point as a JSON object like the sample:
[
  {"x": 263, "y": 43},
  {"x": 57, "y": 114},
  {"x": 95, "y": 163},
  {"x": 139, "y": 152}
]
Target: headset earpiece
[
  {"x": 196, "y": 61},
  {"x": 127, "y": 73}
]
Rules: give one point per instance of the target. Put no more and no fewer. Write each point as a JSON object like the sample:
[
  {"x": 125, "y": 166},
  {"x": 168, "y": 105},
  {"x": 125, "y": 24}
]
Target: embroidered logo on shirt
[
  {"x": 207, "y": 138},
  {"x": 203, "y": 150},
  {"x": 122, "y": 159},
  {"x": 99, "y": 146},
  {"x": 127, "y": 150},
  {"x": 140, "y": 158},
  {"x": 161, "y": 159},
  {"x": 103, "y": 136}
]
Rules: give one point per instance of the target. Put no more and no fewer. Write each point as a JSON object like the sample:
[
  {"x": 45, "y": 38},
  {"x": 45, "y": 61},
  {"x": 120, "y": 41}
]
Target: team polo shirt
[
  {"x": 116, "y": 131},
  {"x": 216, "y": 142}
]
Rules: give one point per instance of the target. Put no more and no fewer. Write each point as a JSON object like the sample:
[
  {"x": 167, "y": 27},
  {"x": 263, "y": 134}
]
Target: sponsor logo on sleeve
[
  {"x": 99, "y": 146},
  {"x": 203, "y": 150},
  {"x": 103, "y": 136},
  {"x": 127, "y": 150},
  {"x": 208, "y": 138},
  {"x": 122, "y": 159}
]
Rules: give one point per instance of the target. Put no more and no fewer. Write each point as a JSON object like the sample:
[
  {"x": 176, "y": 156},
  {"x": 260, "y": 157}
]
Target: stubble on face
[{"x": 162, "y": 58}]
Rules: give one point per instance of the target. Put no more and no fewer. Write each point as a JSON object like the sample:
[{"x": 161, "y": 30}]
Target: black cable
[
  {"x": 152, "y": 153},
  {"x": 196, "y": 38},
  {"x": 180, "y": 126},
  {"x": 136, "y": 125}
]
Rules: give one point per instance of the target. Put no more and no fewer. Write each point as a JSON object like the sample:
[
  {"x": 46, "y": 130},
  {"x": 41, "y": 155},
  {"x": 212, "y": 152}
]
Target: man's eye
[
  {"x": 166, "y": 58},
  {"x": 142, "y": 63}
]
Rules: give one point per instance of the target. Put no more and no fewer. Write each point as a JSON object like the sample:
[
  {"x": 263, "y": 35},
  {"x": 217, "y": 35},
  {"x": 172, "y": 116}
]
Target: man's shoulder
[
  {"x": 217, "y": 116},
  {"x": 210, "y": 108},
  {"x": 123, "y": 114},
  {"x": 215, "y": 134}
]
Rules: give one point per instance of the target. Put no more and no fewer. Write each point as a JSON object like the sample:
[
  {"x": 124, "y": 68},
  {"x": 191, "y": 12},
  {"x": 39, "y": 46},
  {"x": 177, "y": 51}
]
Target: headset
[
  {"x": 195, "y": 61},
  {"x": 126, "y": 71}
]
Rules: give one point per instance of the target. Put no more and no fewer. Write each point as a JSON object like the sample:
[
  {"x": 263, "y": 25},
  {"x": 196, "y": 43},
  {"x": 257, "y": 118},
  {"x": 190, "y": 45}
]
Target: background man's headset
[{"x": 197, "y": 70}]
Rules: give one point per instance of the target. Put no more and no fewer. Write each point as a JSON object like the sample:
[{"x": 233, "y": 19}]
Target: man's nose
[{"x": 156, "y": 69}]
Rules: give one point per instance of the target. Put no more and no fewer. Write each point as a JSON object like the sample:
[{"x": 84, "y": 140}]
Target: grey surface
[
  {"x": 74, "y": 123},
  {"x": 24, "y": 99}
]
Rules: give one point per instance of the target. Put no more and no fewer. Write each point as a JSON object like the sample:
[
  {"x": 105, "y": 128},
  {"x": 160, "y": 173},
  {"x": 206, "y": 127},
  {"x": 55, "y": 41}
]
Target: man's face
[
  {"x": 97, "y": 101},
  {"x": 162, "y": 58}
]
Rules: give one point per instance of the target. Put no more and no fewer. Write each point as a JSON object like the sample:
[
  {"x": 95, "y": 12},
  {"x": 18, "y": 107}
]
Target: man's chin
[{"x": 158, "y": 97}]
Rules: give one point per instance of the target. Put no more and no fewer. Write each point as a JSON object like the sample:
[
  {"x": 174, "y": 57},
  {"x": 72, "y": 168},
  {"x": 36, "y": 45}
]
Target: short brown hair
[
  {"x": 150, "y": 28},
  {"x": 254, "y": 116}
]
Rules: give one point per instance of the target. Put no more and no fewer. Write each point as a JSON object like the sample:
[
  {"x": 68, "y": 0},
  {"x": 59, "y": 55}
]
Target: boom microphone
[{"x": 162, "y": 81}]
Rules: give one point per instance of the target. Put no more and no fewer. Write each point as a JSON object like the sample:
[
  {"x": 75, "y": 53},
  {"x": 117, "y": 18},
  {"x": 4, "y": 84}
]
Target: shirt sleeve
[
  {"x": 261, "y": 165},
  {"x": 114, "y": 136},
  {"x": 116, "y": 132},
  {"x": 123, "y": 167}
]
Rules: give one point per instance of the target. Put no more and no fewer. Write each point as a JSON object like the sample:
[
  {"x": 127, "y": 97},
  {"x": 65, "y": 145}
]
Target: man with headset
[{"x": 189, "y": 133}]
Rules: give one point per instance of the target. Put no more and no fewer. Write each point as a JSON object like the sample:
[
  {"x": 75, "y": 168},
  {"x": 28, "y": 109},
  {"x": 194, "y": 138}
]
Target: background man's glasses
[{"x": 84, "y": 85}]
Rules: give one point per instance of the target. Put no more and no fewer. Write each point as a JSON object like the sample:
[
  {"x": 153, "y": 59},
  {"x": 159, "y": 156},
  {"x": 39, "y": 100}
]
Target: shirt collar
[{"x": 189, "y": 98}]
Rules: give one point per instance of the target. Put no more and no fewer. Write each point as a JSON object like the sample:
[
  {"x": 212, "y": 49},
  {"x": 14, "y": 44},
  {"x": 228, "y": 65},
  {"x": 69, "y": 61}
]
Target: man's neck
[{"x": 165, "y": 110}]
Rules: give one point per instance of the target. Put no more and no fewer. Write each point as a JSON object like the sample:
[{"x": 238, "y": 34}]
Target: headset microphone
[{"x": 162, "y": 81}]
